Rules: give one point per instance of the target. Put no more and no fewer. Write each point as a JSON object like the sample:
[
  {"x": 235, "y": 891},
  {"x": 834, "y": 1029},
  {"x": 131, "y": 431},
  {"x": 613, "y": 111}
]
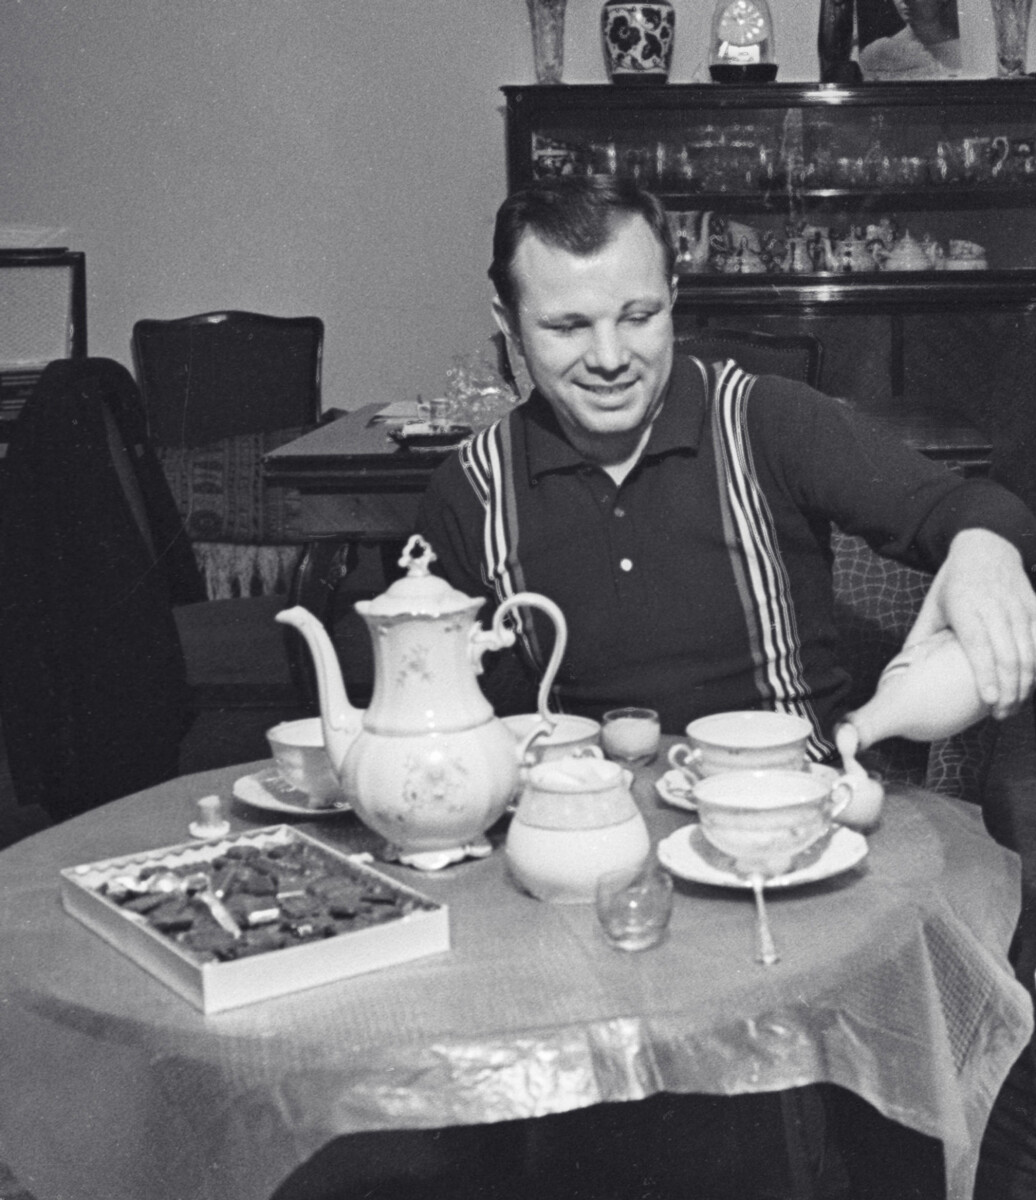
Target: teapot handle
[{"x": 499, "y": 637}]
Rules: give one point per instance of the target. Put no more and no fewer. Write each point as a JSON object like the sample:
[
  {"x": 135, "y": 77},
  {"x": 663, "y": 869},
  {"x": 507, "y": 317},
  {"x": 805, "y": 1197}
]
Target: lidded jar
[{"x": 576, "y": 820}]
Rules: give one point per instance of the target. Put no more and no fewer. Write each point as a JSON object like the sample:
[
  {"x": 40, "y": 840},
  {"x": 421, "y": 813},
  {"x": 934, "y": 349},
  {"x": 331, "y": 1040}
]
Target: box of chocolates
[{"x": 245, "y": 917}]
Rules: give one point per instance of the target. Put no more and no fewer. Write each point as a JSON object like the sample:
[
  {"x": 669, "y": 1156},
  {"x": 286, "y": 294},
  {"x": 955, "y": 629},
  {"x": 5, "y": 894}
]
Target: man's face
[{"x": 596, "y": 332}]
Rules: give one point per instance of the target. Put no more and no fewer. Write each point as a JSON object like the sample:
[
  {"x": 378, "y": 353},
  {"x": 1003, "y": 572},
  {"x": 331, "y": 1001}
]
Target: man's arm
[{"x": 978, "y": 537}]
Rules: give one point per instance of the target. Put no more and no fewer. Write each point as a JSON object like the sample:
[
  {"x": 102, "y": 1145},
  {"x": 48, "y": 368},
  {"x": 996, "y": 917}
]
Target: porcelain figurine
[
  {"x": 694, "y": 241},
  {"x": 907, "y": 255},
  {"x": 428, "y": 765},
  {"x": 852, "y": 254}
]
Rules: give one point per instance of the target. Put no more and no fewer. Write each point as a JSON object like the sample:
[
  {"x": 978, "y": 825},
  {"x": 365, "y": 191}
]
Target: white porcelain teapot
[{"x": 428, "y": 765}]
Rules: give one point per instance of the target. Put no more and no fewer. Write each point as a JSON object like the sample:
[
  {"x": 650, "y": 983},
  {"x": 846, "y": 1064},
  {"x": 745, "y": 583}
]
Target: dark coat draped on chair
[{"x": 93, "y": 690}]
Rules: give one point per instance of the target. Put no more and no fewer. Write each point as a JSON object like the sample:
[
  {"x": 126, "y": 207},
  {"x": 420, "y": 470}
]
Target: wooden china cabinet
[{"x": 896, "y": 222}]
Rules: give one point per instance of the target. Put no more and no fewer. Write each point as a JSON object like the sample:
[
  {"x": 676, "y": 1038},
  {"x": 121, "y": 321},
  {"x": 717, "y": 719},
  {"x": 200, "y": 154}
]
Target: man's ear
[
  {"x": 674, "y": 285},
  {"x": 505, "y": 323}
]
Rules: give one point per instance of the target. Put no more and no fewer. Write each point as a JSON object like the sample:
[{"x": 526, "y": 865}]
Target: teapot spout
[{"x": 341, "y": 721}]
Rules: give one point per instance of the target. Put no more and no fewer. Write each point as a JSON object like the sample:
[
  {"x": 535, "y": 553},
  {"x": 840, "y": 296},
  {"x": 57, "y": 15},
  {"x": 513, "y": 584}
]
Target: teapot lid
[{"x": 418, "y": 593}]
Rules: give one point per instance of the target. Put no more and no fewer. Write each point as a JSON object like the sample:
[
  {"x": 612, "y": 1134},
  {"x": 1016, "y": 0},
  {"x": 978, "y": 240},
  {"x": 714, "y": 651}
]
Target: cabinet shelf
[
  {"x": 849, "y": 200},
  {"x": 884, "y": 291}
]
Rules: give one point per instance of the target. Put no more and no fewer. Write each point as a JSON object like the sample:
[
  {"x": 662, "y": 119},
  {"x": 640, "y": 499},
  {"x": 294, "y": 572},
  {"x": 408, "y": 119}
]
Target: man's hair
[{"x": 577, "y": 213}]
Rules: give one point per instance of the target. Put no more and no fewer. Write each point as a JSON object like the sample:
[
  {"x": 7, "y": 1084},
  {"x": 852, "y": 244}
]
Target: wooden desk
[
  {"x": 357, "y": 487},
  {"x": 893, "y": 983},
  {"x": 355, "y": 481}
]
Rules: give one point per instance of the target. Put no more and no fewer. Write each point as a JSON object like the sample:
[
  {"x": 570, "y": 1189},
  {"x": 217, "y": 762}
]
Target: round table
[{"x": 893, "y": 982}]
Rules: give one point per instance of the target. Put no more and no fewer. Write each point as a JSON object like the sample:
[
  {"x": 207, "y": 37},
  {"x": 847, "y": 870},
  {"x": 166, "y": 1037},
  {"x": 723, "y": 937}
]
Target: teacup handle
[
  {"x": 858, "y": 786},
  {"x": 688, "y": 759},
  {"x": 842, "y": 792}
]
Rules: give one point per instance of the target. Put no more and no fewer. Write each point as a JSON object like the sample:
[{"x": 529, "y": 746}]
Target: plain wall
[{"x": 337, "y": 157}]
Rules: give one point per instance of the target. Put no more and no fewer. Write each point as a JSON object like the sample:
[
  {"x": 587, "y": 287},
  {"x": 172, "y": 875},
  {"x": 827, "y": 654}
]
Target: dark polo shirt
[{"x": 645, "y": 573}]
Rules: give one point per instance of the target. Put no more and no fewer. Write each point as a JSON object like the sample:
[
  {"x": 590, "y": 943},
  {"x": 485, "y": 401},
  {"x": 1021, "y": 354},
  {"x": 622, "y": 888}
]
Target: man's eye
[
  {"x": 565, "y": 327},
  {"x": 639, "y": 318}
]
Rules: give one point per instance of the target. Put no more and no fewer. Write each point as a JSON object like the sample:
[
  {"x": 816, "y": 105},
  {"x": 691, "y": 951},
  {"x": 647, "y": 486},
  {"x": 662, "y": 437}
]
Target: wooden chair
[
  {"x": 221, "y": 390},
  {"x": 220, "y": 374}
]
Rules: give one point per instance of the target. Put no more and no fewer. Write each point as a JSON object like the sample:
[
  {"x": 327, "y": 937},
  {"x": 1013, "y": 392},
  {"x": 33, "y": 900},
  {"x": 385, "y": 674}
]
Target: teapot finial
[{"x": 417, "y": 556}]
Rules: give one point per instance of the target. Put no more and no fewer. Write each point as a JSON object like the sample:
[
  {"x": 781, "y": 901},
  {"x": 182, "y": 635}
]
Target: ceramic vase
[
  {"x": 547, "y": 19},
  {"x": 1011, "y": 29},
  {"x": 638, "y": 41}
]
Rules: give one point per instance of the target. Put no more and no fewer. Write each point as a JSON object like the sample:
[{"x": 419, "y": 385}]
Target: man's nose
[{"x": 607, "y": 351}]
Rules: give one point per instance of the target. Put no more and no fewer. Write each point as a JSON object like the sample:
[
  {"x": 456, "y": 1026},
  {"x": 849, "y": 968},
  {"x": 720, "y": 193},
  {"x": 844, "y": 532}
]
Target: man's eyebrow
[{"x": 553, "y": 318}]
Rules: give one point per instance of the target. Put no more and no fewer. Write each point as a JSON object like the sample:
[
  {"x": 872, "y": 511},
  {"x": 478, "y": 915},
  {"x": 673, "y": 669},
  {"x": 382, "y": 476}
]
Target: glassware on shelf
[
  {"x": 547, "y": 18},
  {"x": 1011, "y": 30}
]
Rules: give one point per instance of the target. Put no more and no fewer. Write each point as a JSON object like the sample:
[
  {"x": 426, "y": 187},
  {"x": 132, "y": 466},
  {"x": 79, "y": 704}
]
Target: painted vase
[{"x": 638, "y": 41}]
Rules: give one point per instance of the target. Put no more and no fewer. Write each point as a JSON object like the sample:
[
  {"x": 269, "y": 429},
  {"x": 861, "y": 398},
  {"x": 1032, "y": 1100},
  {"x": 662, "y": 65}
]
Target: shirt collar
[{"x": 677, "y": 426}]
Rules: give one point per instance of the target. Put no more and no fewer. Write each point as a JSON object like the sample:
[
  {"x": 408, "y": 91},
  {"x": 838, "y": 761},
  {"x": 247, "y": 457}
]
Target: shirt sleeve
[{"x": 842, "y": 463}]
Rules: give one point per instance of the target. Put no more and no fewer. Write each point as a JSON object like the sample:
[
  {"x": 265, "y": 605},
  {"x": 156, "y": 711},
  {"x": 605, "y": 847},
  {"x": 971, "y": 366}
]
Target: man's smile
[{"x": 608, "y": 390}]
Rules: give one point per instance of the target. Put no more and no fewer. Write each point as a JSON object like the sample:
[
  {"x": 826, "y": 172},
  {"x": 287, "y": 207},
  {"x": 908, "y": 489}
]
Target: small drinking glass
[
  {"x": 436, "y": 412},
  {"x": 631, "y": 735},
  {"x": 634, "y": 906}
]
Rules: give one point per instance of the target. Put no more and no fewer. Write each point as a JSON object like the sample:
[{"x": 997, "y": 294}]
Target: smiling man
[{"x": 679, "y": 512}]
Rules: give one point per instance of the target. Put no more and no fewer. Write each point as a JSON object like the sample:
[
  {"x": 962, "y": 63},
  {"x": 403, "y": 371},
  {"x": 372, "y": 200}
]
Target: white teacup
[
  {"x": 762, "y": 819},
  {"x": 742, "y": 740},
  {"x": 571, "y": 733},
  {"x": 302, "y": 762}
]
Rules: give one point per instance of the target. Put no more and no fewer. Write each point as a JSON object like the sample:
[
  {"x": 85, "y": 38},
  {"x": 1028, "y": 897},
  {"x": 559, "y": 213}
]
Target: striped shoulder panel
[
  {"x": 759, "y": 571},
  {"x": 488, "y": 463}
]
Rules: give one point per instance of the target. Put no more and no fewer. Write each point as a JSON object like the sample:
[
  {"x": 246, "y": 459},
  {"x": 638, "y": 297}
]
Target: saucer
[
  {"x": 684, "y": 854},
  {"x": 675, "y": 790},
  {"x": 266, "y": 789}
]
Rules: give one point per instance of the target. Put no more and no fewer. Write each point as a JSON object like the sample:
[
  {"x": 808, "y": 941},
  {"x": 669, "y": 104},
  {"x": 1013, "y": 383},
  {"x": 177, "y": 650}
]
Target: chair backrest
[
  {"x": 796, "y": 356},
  {"x": 220, "y": 374}
]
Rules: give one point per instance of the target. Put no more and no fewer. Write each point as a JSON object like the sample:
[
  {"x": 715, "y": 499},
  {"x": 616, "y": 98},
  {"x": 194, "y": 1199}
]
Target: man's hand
[{"x": 983, "y": 594}]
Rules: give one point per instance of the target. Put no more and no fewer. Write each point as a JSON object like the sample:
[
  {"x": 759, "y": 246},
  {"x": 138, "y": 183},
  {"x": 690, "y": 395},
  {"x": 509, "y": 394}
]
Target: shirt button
[
  {"x": 626, "y": 564},
  {"x": 620, "y": 512}
]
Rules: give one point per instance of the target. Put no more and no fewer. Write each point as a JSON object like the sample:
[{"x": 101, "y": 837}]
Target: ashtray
[
  {"x": 423, "y": 435},
  {"x": 743, "y": 72}
]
